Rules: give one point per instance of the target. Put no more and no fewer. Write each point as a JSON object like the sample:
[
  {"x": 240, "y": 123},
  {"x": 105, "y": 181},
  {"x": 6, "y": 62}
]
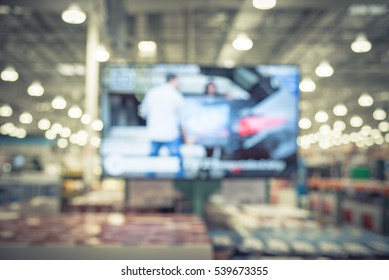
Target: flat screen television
[{"x": 231, "y": 122}]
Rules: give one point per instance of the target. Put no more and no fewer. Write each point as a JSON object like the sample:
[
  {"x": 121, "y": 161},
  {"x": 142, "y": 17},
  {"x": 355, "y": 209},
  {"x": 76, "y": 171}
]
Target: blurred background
[{"x": 52, "y": 195}]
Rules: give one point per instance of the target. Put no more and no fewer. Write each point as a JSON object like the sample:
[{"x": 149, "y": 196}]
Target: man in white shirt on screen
[{"x": 162, "y": 107}]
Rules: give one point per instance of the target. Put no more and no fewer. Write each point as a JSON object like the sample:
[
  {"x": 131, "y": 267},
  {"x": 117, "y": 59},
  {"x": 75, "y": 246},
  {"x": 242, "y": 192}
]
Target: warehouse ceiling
[{"x": 40, "y": 45}]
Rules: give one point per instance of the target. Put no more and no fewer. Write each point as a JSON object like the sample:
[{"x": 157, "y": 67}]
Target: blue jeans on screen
[{"x": 174, "y": 151}]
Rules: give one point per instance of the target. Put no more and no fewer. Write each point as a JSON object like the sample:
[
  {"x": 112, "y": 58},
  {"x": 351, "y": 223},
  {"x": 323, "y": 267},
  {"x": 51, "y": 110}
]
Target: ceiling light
[
  {"x": 379, "y": 114},
  {"x": 35, "y": 89},
  {"x": 82, "y": 138},
  {"x": 375, "y": 133},
  {"x": 75, "y": 112},
  {"x": 361, "y": 44},
  {"x": 82, "y": 142},
  {"x": 62, "y": 143},
  {"x": 321, "y": 116},
  {"x": 340, "y": 110},
  {"x": 345, "y": 139},
  {"x": 242, "y": 42},
  {"x": 97, "y": 125},
  {"x": 73, "y": 15},
  {"x": 101, "y": 54},
  {"x": 86, "y": 119},
  {"x": 6, "y": 111},
  {"x": 56, "y": 128},
  {"x": 365, "y": 130},
  {"x": 305, "y": 123},
  {"x": 383, "y": 126},
  {"x": 365, "y": 100},
  {"x": 147, "y": 48},
  {"x": 379, "y": 141},
  {"x": 9, "y": 74},
  {"x": 325, "y": 129},
  {"x": 7, "y": 128},
  {"x": 5, "y": 10},
  {"x": 264, "y": 4},
  {"x": 65, "y": 132},
  {"x": 71, "y": 69},
  {"x": 339, "y": 126},
  {"x": 73, "y": 138},
  {"x": 387, "y": 138},
  {"x": 303, "y": 141},
  {"x": 325, "y": 144},
  {"x": 95, "y": 141},
  {"x": 65, "y": 69},
  {"x": 25, "y": 118},
  {"x": 59, "y": 103},
  {"x": 20, "y": 133},
  {"x": 307, "y": 85},
  {"x": 229, "y": 63},
  {"x": 50, "y": 135},
  {"x": 356, "y": 121},
  {"x": 367, "y": 9},
  {"x": 44, "y": 124},
  {"x": 324, "y": 70}
]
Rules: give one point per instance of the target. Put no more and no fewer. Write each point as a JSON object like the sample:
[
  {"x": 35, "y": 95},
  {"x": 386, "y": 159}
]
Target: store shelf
[{"x": 361, "y": 203}]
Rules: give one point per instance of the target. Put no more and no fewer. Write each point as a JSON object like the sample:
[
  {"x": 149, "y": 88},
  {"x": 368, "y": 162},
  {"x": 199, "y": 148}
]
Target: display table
[{"x": 104, "y": 236}]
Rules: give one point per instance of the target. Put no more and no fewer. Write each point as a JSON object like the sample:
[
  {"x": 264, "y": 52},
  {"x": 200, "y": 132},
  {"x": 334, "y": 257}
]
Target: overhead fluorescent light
[
  {"x": 25, "y": 118},
  {"x": 101, "y": 54},
  {"x": 97, "y": 125},
  {"x": 305, "y": 123},
  {"x": 307, "y": 85},
  {"x": 147, "y": 48},
  {"x": 321, "y": 116},
  {"x": 379, "y": 114},
  {"x": 242, "y": 42},
  {"x": 59, "y": 103},
  {"x": 9, "y": 74},
  {"x": 356, "y": 121},
  {"x": 35, "y": 89},
  {"x": 6, "y": 111},
  {"x": 86, "y": 119},
  {"x": 71, "y": 69},
  {"x": 73, "y": 15},
  {"x": 367, "y": 9},
  {"x": 361, "y": 44},
  {"x": 75, "y": 112},
  {"x": 324, "y": 69},
  {"x": 62, "y": 143},
  {"x": 264, "y": 4},
  {"x": 383, "y": 126},
  {"x": 229, "y": 63},
  {"x": 5, "y": 10},
  {"x": 340, "y": 110},
  {"x": 44, "y": 124},
  {"x": 339, "y": 125},
  {"x": 365, "y": 100}
]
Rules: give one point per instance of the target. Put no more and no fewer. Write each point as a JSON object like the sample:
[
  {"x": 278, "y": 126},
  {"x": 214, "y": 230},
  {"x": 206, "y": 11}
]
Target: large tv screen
[{"x": 199, "y": 122}]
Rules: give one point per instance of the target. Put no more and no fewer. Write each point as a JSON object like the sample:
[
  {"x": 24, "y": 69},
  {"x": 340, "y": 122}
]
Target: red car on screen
[{"x": 251, "y": 125}]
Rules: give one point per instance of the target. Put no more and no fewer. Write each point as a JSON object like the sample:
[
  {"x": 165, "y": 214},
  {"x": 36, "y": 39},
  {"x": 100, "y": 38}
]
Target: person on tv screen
[
  {"x": 210, "y": 89},
  {"x": 161, "y": 108}
]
